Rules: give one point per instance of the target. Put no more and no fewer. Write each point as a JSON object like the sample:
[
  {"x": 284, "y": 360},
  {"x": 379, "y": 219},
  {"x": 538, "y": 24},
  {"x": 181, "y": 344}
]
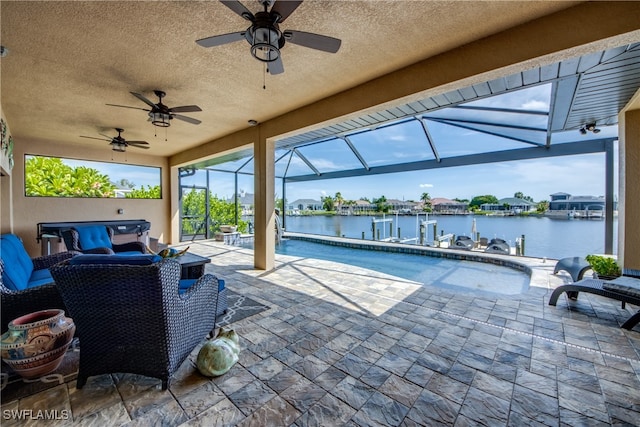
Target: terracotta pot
[
  {"x": 36, "y": 333},
  {"x": 42, "y": 364}
]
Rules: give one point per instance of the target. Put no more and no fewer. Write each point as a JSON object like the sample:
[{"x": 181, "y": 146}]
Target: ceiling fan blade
[
  {"x": 92, "y": 137},
  {"x": 276, "y": 67},
  {"x": 314, "y": 41},
  {"x": 187, "y": 119},
  {"x": 285, "y": 8},
  {"x": 126, "y": 106},
  {"x": 138, "y": 144},
  {"x": 221, "y": 39},
  {"x": 107, "y": 137},
  {"x": 185, "y": 109},
  {"x": 143, "y": 99},
  {"x": 238, "y": 8}
]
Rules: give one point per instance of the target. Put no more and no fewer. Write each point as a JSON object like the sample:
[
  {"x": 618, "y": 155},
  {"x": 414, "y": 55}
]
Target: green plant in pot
[{"x": 605, "y": 267}]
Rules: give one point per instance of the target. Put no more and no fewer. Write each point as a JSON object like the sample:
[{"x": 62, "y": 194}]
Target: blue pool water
[{"x": 441, "y": 272}]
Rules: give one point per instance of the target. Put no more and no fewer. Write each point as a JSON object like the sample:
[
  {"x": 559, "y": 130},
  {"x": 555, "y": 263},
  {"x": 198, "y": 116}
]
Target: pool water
[{"x": 441, "y": 272}]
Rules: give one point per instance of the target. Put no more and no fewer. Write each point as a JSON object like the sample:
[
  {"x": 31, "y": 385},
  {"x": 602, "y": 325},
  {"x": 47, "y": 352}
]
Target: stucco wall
[
  {"x": 29, "y": 211},
  {"x": 629, "y": 205}
]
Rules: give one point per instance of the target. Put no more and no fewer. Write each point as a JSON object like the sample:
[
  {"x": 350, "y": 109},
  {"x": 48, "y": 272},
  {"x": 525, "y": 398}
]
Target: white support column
[{"x": 264, "y": 213}]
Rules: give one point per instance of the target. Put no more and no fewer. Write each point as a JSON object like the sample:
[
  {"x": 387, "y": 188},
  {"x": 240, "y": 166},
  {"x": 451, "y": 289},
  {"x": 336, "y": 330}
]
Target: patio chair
[
  {"x": 98, "y": 239},
  {"x": 132, "y": 316},
  {"x": 25, "y": 283},
  {"x": 575, "y": 266},
  {"x": 624, "y": 292}
]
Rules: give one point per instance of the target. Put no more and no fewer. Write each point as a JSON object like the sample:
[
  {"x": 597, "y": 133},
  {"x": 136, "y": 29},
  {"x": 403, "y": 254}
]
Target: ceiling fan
[
  {"x": 264, "y": 34},
  {"x": 118, "y": 143},
  {"x": 160, "y": 114}
]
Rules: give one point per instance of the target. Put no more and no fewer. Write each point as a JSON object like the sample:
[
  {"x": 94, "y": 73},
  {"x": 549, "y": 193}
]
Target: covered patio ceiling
[{"x": 497, "y": 116}]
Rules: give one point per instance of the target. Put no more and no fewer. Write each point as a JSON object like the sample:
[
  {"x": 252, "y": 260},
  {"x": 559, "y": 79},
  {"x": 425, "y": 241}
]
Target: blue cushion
[
  {"x": 128, "y": 253},
  {"x": 17, "y": 263},
  {"x": 115, "y": 259},
  {"x": 186, "y": 284},
  {"x": 93, "y": 236},
  {"x": 40, "y": 277}
]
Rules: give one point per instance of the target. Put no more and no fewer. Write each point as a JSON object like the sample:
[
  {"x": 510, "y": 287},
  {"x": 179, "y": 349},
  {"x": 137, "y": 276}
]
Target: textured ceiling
[{"x": 68, "y": 59}]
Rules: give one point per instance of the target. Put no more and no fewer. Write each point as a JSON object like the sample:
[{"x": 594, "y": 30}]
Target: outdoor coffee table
[{"x": 192, "y": 265}]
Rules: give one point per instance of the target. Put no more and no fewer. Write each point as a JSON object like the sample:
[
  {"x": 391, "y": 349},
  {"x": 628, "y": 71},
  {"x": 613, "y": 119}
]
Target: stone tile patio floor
[{"x": 346, "y": 346}]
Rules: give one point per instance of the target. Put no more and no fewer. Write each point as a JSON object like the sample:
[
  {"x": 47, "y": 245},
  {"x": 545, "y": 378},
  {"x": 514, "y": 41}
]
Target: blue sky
[
  {"x": 577, "y": 175},
  {"x": 139, "y": 175}
]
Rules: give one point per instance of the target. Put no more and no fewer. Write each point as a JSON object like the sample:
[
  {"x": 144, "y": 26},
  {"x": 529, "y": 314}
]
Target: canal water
[{"x": 544, "y": 237}]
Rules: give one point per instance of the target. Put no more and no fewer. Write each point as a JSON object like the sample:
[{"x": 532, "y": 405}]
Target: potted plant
[{"x": 605, "y": 267}]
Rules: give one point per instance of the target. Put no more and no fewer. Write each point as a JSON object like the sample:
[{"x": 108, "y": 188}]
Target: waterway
[{"x": 544, "y": 237}]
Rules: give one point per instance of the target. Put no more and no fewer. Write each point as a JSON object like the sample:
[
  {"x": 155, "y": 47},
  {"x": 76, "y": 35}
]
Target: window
[{"x": 60, "y": 177}]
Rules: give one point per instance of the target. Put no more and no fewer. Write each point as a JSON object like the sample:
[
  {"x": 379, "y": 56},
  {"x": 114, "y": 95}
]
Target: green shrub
[{"x": 604, "y": 265}]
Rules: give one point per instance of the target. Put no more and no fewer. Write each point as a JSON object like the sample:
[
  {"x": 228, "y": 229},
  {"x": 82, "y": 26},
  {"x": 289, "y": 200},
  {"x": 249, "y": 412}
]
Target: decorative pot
[
  {"x": 228, "y": 228},
  {"x": 36, "y": 333},
  {"x": 42, "y": 364},
  {"x": 605, "y": 277}
]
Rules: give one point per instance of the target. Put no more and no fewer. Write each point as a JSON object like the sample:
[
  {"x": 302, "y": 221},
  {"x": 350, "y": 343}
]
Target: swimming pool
[{"x": 442, "y": 272}]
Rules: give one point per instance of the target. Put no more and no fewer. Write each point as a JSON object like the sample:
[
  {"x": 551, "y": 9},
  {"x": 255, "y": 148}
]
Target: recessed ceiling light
[
  {"x": 3, "y": 51},
  {"x": 253, "y": 122}
]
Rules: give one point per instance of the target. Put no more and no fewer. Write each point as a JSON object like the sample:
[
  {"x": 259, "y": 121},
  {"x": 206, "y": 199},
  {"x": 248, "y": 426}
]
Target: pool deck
[{"x": 341, "y": 345}]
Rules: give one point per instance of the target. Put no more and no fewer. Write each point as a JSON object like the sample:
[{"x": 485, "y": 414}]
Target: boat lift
[{"x": 422, "y": 231}]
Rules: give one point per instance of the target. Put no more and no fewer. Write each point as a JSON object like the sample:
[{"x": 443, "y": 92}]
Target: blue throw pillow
[{"x": 115, "y": 259}]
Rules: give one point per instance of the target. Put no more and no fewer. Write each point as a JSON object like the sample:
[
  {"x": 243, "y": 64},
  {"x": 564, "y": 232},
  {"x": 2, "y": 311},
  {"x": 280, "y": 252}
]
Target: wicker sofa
[
  {"x": 134, "y": 316},
  {"x": 26, "y": 284}
]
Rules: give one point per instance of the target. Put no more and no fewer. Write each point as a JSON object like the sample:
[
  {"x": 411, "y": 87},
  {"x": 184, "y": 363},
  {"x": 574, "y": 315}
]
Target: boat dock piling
[{"x": 378, "y": 233}]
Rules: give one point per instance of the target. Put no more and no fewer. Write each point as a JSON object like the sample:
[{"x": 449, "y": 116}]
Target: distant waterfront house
[
  {"x": 305, "y": 205},
  {"x": 245, "y": 200},
  {"x": 562, "y": 203},
  {"x": 401, "y": 206},
  {"x": 362, "y": 206},
  {"x": 510, "y": 204},
  {"x": 447, "y": 206}
]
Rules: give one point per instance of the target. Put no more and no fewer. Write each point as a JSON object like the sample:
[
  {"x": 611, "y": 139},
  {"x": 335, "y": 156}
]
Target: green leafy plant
[
  {"x": 604, "y": 265},
  {"x": 50, "y": 177}
]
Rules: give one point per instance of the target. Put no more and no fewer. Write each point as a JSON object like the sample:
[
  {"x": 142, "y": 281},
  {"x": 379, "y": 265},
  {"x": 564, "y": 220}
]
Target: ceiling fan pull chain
[
  {"x": 165, "y": 134},
  {"x": 264, "y": 76}
]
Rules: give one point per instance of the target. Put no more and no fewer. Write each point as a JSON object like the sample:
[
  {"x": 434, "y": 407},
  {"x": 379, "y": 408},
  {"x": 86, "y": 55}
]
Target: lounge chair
[
  {"x": 620, "y": 292},
  {"x": 575, "y": 266}
]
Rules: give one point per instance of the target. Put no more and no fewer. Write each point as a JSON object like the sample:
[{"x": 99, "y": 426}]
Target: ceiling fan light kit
[
  {"x": 159, "y": 119},
  {"x": 265, "y": 44},
  {"x": 116, "y": 146}
]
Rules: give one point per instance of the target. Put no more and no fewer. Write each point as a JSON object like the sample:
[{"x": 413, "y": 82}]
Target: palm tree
[
  {"x": 339, "y": 200},
  {"x": 426, "y": 199}
]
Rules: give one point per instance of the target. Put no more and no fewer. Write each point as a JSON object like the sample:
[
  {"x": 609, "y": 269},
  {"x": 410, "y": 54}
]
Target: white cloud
[
  {"x": 535, "y": 104},
  {"x": 426, "y": 185}
]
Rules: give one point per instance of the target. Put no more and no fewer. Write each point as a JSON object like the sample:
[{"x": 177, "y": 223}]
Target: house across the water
[{"x": 564, "y": 205}]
